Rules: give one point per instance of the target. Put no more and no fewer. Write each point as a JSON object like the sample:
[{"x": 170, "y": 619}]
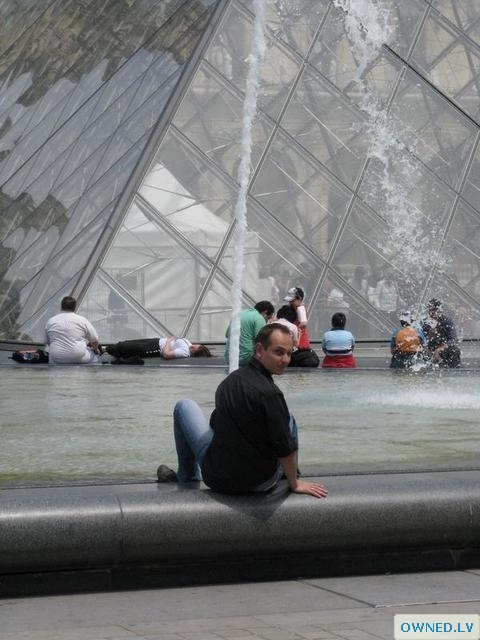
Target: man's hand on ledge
[{"x": 311, "y": 488}]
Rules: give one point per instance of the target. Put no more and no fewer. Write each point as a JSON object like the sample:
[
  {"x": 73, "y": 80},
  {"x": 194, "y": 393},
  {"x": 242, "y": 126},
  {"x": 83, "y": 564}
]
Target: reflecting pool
[{"x": 94, "y": 424}]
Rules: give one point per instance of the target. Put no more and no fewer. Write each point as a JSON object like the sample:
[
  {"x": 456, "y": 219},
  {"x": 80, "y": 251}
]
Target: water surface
[{"x": 103, "y": 423}]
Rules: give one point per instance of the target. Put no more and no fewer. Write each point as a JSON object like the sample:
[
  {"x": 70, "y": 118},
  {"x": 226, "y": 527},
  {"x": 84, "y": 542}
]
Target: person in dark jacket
[
  {"x": 442, "y": 340},
  {"x": 251, "y": 440}
]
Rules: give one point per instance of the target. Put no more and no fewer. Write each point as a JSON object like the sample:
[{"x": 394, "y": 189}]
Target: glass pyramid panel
[
  {"x": 158, "y": 272},
  {"x": 78, "y": 104},
  {"x": 294, "y": 21},
  {"x": 463, "y": 242},
  {"x": 214, "y": 312},
  {"x": 339, "y": 62},
  {"x": 301, "y": 195},
  {"x": 327, "y": 126},
  {"x": 229, "y": 54},
  {"x": 273, "y": 262},
  {"x": 120, "y": 140},
  {"x": 471, "y": 189},
  {"x": 434, "y": 130},
  {"x": 184, "y": 190},
  {"x": 451, "y": 62},
  {"x": 211, "y": 117},
  {"x": 461, "y": 13},
  {"x": 336, "y": 296}
]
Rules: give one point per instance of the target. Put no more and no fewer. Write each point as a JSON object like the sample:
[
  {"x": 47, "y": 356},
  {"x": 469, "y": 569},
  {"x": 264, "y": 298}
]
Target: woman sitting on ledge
[{"x": 167, "y": 348}]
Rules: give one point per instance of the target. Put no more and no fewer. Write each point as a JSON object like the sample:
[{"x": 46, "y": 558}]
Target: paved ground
[{"x": 353, "y": 608}]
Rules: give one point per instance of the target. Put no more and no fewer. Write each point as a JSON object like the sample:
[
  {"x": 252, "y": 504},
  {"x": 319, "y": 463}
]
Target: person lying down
[{"x": 168, "y": 348}]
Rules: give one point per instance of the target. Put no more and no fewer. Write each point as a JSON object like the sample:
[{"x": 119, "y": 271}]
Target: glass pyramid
[{"x": 120, "y": 126}]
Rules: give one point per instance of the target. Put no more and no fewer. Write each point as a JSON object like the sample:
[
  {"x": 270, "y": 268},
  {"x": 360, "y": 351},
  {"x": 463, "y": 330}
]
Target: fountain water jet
[
  {"x": 255, "y": 58},
  {"x": 413, "y": 241}
]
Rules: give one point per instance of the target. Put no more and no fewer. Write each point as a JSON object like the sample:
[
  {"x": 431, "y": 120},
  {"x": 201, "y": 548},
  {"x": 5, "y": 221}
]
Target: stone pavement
[{"x": 351, "y": 608}]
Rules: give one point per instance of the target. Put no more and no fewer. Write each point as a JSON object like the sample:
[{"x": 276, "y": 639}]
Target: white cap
[{"x": 293, "y": 294}]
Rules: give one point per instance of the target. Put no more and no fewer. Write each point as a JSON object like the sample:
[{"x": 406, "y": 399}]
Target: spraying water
[
  {"x": 255, "y": 58},
  {"x": 367, "y": 26},
  {"x": 413, "y": 241}
]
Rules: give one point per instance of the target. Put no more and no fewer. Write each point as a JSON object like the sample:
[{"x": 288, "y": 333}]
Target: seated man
[
  {"x": 406, "y": 344},
  {"x": 71, "y": 338},
  {"x": 167, "y": 348},
  {"x": 442, "y": 341},
  {"x": 251, "y": 439}
]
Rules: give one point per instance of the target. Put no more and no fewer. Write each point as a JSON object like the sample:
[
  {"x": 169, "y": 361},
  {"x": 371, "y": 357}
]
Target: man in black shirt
[{"x": 251, "y": 440}]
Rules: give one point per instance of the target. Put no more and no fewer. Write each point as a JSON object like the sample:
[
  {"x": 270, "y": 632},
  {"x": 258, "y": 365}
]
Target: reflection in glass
[
  {"x": 451, "y": 62},
  {"x": 118, "y": 163},
  {"x": 230, "y": 51},
  {"x": 211, "y": 117},
  {"x": 301, "y": 196}
]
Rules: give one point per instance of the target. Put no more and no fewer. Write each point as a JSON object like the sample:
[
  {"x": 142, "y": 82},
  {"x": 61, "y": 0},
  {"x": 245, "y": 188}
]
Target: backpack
[
  {"x": 304, "y": 358},
  {"x": 32, "y": 356},
  {"x": 407, "y": 340}
]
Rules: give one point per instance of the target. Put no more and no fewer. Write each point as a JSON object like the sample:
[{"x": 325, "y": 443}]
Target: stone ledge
[{"x": 64, "y": 539}]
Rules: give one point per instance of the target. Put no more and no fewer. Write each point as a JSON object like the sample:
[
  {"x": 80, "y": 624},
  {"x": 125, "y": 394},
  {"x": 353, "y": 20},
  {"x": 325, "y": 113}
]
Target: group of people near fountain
[
  {"x": 337, "y": 344},
  {"x": 292, "y": 315},
  {"x": 72, "y": 339},
  {"x": 250, "y": 441},
  {"x": 416, "y": 344}
]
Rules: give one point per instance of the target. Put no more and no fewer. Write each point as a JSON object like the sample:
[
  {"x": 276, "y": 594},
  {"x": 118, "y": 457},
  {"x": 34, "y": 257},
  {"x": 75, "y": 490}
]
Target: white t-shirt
[
  {"x": 67, "y": 335},
  {"x": 180, "y": 347},
  {"x": 291, "y": 327},
  {"x": 301, "y": 314}
]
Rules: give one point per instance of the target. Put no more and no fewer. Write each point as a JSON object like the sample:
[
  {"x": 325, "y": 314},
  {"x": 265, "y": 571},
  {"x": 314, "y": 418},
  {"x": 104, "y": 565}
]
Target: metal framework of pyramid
[{"x": 120, "y": 125}]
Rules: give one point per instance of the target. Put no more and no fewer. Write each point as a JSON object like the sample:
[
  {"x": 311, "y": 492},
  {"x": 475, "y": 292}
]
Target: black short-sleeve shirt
[{"x": 251, "y": 431}]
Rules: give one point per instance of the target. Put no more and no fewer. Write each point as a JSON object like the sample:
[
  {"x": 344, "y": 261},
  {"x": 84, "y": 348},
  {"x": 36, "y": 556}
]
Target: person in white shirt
[
  {"x": 295, "y": 297},
  {"x": 70, "y": 337},
  {"x": 286, "y": 316},
  {"x": 168, "y": 348}
]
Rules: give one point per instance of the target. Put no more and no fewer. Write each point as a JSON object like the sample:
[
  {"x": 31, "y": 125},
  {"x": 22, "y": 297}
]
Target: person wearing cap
[
  {"x": 295, "y": 297},
  {"x": 251, "y": 321},
  {"x": 407, "y": 343},
  {"x": 442, "y": 340},
  {"x": 303, "y": 355}
]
